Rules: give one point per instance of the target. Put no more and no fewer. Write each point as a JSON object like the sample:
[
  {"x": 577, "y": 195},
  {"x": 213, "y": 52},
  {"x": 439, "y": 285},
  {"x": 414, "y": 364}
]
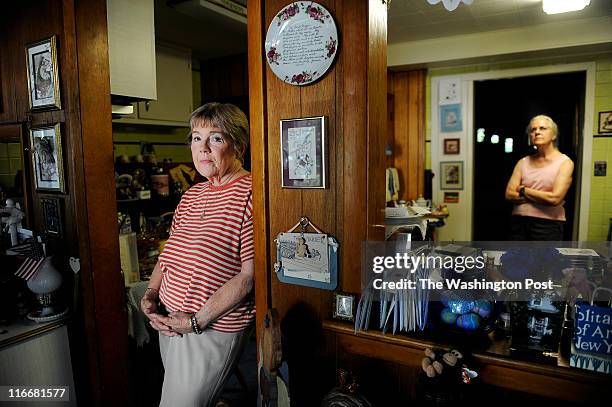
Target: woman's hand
[
  {"x": 179, "y": 322},
  {"x": 148, "y": 305}
]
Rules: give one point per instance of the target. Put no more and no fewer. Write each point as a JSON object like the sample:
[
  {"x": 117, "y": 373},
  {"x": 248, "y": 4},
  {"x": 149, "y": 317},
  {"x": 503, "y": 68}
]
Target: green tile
[
  {"x": 603, "y": 77},
  {"x": 4, "y": 166},
  {"x": 14, "y": 150},
  {"x": 596, "y": 205},
  {"x": 7, "y": 181},
  {"x": 15, "y": 164},
  {"x": 3, "y": 150}
]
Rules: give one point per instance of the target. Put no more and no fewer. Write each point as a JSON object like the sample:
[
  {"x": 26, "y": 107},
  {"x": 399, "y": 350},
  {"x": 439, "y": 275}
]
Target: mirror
[{"x": 12, "y": 175}]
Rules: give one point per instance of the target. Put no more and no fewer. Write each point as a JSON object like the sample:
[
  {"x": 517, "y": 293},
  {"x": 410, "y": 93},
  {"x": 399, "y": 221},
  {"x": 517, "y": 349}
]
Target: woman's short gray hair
[
  {"x": 228, "y": 118},
  {"x": 553, "y": 125}
]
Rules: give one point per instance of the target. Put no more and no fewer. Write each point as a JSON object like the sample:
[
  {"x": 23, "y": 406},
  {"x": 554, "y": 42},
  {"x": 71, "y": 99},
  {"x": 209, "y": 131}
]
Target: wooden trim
[
  {"x": 548, "y": 381},
  {"x": 103, "y": 288},
  {"x": 259, "y": 159}
]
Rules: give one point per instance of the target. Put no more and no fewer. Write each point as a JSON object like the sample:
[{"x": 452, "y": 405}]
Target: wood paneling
[
  {"x": 408, "y": 89},
  {"x": 353, "y": 200},
  {"x": 98, "y": 237},
  {"x": 259, "y": 160},
  {"x": 98, "y": 323}
]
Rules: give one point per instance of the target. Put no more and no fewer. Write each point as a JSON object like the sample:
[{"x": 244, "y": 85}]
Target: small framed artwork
[
  {"x": 47, "y": 160},
  {"x": 451, "y": 175},
  {"x": 51, "y": 209},
  {"x": 605, "y": 122},
  {"x": 344, "y": 306},
  {"x": 451, "y": 146},
  {"x": 43, "y": 74},
  {"x": 600, "y": 168},
  {"x": 303, "y": 152},
  {"x": 451, "y": 197},
  {"x": 450, "y": 118}
]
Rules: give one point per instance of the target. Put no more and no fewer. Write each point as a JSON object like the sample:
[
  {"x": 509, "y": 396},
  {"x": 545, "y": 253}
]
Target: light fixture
[
  {"x": 494, "y": 139},
  {"x": 563, "y": 6},
  {"x": 480, "y": 135},
  {"x": 508, "y": 145},
  {"x": 450, "y": 5}
]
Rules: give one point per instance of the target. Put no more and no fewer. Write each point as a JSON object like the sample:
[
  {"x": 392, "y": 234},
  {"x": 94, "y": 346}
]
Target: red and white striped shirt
[{"x": 210, "y": 237}]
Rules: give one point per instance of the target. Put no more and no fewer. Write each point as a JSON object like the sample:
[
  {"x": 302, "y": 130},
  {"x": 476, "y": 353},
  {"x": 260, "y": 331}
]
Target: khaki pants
[{"x": 197, "y": 366}]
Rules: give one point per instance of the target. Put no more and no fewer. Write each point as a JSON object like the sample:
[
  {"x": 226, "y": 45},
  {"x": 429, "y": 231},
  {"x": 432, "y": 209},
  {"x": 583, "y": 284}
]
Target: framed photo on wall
[
  {"x": 451, "y": 175},
  {"x": 43, "y": 74},
  {"x": 303, "y": 152},
  {"x": 51, "y": 208},
  {"x": 451, "y": 146},
  {"x": 450, "y": 118},
  {"x": 47, "y": 160},
  {"x": 605, "y": 122}
]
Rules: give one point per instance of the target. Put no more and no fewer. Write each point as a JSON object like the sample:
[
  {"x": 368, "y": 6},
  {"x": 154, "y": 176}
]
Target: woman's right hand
[{"x": 148, "y": 305}]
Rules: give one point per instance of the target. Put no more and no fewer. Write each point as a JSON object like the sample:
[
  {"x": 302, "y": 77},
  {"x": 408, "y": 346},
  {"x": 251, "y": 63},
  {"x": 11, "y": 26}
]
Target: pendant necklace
[{"x": 203, "y": 214}]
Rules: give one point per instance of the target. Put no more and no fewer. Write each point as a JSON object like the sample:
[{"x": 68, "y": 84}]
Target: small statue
[{"x": 12, "y": 216}]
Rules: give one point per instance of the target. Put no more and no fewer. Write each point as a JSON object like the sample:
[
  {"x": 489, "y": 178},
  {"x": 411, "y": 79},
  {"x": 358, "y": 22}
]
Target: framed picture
[
  {"x": 451, "y": 146},
  {"x": 303, "y": 152},
  {"x": 43, "y": 74},
  {"x": 450, "y": 118},
  {"x": 451, "y": 175},
  {"x": 47, "y": 161},
  {"x": 344, "y": 306},
  {"x": 51, "y": 209},
  {"x": 605, "y": 122}
]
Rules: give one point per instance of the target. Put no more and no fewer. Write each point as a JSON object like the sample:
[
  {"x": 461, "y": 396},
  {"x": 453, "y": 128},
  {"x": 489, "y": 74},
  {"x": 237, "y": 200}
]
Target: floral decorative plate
[{"x": 301, "y": 43}]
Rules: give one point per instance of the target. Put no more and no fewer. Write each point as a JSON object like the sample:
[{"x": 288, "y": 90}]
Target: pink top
[{"x": 541, "y": 179}]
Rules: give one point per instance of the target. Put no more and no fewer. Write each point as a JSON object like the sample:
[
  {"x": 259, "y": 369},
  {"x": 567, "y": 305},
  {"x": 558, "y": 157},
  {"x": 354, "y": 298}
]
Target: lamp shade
[{"x": 46, "y": 280}]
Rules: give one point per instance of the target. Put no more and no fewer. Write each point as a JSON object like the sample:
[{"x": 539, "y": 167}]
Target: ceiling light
[
  {"x": 494, "y": 139},
  {"x": 450, "y": 5},
  {"x": 563, "y": 6}
]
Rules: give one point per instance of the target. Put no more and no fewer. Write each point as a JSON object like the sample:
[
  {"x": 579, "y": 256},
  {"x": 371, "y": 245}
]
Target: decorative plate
[{"x": 301, "y": 43}]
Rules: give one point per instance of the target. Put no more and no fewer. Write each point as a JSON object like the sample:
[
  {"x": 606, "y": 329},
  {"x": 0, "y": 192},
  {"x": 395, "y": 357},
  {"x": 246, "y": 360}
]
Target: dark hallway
[{"x": 504, "y": 107}]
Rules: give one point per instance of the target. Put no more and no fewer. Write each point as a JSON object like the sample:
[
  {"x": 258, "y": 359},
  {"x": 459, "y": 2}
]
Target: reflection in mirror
[{"x": 12, "y": 179}]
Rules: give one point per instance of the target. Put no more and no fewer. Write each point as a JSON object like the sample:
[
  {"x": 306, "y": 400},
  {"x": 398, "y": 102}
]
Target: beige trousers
[{"x": 197, "y": 366}]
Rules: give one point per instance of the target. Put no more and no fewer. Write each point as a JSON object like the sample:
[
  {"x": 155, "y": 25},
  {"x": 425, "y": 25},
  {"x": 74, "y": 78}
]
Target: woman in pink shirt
[{"x": 538, "y": 186}]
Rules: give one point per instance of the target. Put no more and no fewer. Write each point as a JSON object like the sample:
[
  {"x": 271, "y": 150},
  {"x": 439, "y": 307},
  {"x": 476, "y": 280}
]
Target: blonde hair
[{"x": 228, "y": 118}]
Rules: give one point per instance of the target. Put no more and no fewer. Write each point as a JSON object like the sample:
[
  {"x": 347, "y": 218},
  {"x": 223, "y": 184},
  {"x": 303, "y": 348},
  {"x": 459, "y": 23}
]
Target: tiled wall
[
  {"x": 10, "y": 163},
  {"x": 601, "y": 187}
]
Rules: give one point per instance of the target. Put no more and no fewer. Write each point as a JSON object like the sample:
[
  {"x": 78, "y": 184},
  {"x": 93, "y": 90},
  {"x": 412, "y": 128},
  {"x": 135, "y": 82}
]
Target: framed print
[
  {"x": 605, "y": 122},
  {"x": 451, "y": 175},
  {"x": 451, "y": 146},
  {"x": 51, "y": 208},
  {"x": 344, "y": 306},
  {"x": 43, "y": 77},
  {"x": 450, "y": 118},
  {"x": 47, "y": 161},
  {"x": 449, "y": 91},
  {"x": 303, "y": 152}
]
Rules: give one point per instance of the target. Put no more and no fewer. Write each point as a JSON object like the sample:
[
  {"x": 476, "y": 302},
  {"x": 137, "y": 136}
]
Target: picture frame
[
  {"x": 605, "y": 122},
  {"x": 52, "y": 215},
  {"x": 451, "y": 175},
  {"x": 452, "y": 146},
  {"x": 43, "y": 74},
  {"x": 450, "y": 118},
  {"x": 344, "y": 306},
  {"x": 303, "y": 158},
  {"x": 47, "y": 159}
]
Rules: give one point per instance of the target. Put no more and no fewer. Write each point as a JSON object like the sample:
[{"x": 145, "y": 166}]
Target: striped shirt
[{"x": 210, "y": 237}]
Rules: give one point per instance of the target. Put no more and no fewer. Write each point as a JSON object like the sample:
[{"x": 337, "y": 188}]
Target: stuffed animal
[{"x": 434, "y": 365}]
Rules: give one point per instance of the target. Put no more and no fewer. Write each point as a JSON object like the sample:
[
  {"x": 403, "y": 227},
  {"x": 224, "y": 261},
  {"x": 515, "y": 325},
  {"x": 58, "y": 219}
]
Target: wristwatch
[{"x": 522, "y": 191}]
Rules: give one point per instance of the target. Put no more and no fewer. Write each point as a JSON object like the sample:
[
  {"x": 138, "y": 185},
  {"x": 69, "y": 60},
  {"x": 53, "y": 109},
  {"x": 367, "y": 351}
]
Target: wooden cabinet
[
  {"x": 174, "y": 101},
  {"x": 7, "y": 83}
]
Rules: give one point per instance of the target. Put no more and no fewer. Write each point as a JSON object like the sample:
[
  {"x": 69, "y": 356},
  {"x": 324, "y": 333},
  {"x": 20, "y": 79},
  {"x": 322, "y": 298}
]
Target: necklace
[{"x": 221, "y": 184}]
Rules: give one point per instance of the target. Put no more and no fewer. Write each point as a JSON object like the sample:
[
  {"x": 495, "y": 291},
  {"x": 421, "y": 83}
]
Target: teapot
[{"x": 422, "y": 202}]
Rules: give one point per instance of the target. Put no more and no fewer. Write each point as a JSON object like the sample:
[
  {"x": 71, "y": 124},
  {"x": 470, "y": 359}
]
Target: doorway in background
[{"x": 503, "y": 107}]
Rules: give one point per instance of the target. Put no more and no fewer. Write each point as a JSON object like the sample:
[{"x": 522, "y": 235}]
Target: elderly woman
[
  {"x": 538, "y": 186},
  {"x": 198, "y": 296}
]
